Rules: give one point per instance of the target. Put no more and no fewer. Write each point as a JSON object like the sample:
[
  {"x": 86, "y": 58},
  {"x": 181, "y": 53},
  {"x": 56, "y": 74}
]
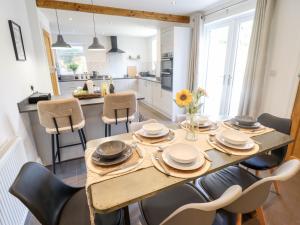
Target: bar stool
[
  {"x": 118, "y": 108},
  {"x": 61, "y": 116}
]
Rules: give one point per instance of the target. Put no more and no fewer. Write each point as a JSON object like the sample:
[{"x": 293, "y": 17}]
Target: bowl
[
  {"x": 234, "y": 137},
  {"x": 111, "y": 150},
  {"x": 201, "y": 119},
  {"x": 153, "y": 128},
  {"x": 182, "y": 153},
  {"x": 245, "y": 120}
]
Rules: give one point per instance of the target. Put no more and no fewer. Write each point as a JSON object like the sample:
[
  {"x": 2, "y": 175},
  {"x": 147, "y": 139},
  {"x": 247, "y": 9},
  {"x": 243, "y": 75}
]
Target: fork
[{"x": 158, "y": 158}]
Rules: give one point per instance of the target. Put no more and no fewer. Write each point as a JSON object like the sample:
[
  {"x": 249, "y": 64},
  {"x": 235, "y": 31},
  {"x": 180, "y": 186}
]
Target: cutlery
[
  {"x": 159, "y": 159},
  {"x": 211, "y": 139},
  {"x": 206, "y": 156},
  {"x": 122, "y": 167},
  {"x": 137, "y": 149}
]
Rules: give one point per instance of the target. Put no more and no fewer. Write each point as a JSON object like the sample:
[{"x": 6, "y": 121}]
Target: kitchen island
[{"x": 94, "y": 128}]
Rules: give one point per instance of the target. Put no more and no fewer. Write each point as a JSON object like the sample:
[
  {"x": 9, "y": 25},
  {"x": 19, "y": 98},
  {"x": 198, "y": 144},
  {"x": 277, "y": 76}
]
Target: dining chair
[
  {"x": 184, "y": 204},
  {"x": 271, "y": 160},
  {"x": 255, "y": 189},
  {"x": 58, "y": 117},
  {"x": 118, "y": 108},
  {"x": 54, "y": 203},
  {"x": 135, "y": 126}
]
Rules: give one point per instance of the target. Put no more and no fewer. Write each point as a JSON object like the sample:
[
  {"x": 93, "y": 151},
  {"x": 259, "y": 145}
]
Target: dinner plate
[
  {"x": 162, "y": 133},
  {"x": 254, "y": 126},
  {"x": 249, "y": 144},
  {"x": 206, "y": 124},
  {"x": 98, "y": 160},
  {"x": 182, "y": 153},
  {"x": 180, "y": 166}
]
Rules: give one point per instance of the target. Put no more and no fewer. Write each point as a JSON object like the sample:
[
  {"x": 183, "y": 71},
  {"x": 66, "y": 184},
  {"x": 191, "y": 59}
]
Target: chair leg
[
  {"x": 127, "y": 129},
  {"x": 239, "y": 219},
  {"x": 257, "y": 173},
  {"x": 57, "y": 147},
  {"x": 109, "y": 130},
  {"x": 83, "y": 135},
  {"x": 81, "y": 140},
  {"x": 105, "y": 130},
  {"x": 53, "y": 152},
  {"x": 261, "y": 216}
]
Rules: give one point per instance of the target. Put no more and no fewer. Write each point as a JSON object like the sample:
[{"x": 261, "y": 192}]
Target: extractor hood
[{"x": 114, "y": 45}]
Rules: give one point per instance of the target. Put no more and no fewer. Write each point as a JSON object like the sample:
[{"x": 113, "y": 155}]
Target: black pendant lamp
[
  {"x": 60, "y": 42},
  {"x": 95, "y": 46}
]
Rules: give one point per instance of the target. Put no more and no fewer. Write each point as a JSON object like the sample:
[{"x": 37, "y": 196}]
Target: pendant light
[
  {"x": 60, "y": 42},
  {"x": 95, "y": 46}
]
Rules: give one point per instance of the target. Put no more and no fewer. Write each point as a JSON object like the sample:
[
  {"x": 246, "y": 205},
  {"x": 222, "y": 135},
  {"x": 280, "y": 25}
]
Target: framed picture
[{"x": 17, "y": 39}]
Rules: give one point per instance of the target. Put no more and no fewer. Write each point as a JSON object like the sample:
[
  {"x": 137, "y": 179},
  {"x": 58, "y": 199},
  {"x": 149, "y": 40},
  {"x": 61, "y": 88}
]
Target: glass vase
[{"x": 191, "y": 132}]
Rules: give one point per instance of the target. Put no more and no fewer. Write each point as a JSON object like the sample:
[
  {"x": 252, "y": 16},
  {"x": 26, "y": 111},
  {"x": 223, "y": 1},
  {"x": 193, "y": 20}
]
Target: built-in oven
[{"x": 167, "y": 71}]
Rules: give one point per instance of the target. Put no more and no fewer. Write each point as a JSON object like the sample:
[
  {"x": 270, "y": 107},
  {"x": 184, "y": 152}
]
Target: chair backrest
[
  {"x": 282, "y": 125},
  {"x": 204, "y": 213},
  {"x": 119, "y": 105},
  {"x": 135, "y": 126},
  {"x": 41, "y": 192},
  {"x": 60, "y": 112},
  {"x": 256, "y": 194}
]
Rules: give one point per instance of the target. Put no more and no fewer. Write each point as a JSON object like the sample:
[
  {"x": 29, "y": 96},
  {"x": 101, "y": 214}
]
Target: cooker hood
[{"x": 114, "y": 45}]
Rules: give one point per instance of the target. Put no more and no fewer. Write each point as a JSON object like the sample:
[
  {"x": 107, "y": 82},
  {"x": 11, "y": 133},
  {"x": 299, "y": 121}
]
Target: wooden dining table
[{"x": 120, "y": 192}]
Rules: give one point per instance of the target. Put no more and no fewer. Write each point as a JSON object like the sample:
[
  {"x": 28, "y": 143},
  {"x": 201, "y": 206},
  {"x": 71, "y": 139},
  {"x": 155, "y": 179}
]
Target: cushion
[
  {"x": 76, "y": 212},
  {"x": 216, "y": 183},
  {"x": 157, "y": 208},
  {"x": 107, "y": 120},
  {"x": 262, "y": 162}
]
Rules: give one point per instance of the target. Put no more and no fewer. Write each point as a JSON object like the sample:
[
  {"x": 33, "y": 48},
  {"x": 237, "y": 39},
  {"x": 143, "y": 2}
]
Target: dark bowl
[
  {"x": 245, "y": 120},
  {"x": 111, "y": 150}
]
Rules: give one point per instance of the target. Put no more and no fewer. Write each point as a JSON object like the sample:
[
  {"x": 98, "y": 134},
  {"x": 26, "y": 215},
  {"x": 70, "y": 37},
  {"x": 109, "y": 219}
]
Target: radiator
[{"x": 12, "y": 157}]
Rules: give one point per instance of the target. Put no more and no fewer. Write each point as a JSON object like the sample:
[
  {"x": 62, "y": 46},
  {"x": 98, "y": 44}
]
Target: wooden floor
[{"x": 279, "y": 210}]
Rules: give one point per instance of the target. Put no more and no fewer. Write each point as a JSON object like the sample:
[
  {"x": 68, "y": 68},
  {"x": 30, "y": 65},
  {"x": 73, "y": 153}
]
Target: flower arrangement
[{"x": 190, "y": 100}]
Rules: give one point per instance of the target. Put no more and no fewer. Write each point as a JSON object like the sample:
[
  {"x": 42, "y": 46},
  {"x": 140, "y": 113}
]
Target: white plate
[
  {"x": 153, "y": 128},
  {"x": 182, "y": 153},
  {"x": 180, "y": 166},
  {"x": 234, "y": 137},
  {"x": 249, "y": 144},
  {"x": 143, "y": 133},
  {"x": 206, "y": 124}
]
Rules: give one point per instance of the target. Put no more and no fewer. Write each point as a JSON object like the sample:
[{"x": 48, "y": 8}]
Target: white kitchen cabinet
[{"x": 167, "y": 40}]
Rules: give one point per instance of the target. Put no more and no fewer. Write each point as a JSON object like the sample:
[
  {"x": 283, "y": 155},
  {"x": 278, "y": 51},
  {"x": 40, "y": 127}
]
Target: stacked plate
[
  {"x": 201, "y": 121},
  {"x": 246, "y": 122},
  {"x": 235, "y": 140},
  {"x": 153, "y": 130},
  {"x": 183, "y": 157},
  {"x": 111, "y": 153}
]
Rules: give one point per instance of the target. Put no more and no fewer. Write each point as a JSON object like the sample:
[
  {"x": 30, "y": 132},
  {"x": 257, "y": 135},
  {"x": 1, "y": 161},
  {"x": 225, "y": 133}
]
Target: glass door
[{"x": 227, "y": 44}]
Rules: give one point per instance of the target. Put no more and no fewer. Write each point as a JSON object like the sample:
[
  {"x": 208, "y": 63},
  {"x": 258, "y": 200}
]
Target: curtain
[
  {"x": 257, "y": 57},
  {"x": 197, "y": 30}
]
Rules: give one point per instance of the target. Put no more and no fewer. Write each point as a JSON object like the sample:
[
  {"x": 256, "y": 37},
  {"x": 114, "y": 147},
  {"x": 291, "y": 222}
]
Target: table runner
[{"x": 93, "y": 177}]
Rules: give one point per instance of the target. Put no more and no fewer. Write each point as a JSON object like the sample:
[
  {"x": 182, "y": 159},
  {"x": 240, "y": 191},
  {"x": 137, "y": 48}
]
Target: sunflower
[{"x": 183, "y": 98}]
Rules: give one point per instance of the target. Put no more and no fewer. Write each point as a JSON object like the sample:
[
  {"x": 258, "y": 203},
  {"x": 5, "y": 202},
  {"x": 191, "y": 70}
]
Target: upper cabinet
[{"x": 167, "y": 40}]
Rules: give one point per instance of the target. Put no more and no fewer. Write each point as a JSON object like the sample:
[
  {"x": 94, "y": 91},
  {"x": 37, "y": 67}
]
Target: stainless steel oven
[{"x": 167, "y": 71}]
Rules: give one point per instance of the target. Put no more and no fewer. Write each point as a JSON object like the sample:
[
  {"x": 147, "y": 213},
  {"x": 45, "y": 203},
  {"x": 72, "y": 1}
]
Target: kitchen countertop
[
  {"x": 24, "y": 106},
  {"x": 153, "y": 79}
]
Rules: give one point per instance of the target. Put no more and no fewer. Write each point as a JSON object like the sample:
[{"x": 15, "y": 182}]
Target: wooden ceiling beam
[{"x": 72, "y": 6}]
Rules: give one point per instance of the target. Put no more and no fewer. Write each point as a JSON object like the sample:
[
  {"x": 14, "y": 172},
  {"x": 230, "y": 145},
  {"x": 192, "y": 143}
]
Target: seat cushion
[
  {"x": 262, "y": 162},
  {"x": 216, "y": 183},
  {"x": 76, "y": 212},
  {"x": 66, "y": 129},
  {"x": 159, "y": 207},
  {"x": 113, "y": 120}
]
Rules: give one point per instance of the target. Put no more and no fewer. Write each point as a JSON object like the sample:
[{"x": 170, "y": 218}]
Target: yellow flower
[{"x": 183, "y": 98}]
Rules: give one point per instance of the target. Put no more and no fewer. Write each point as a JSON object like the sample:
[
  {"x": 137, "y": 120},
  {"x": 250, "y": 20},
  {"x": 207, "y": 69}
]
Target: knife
[
  {"x": 206, "y": 156},
  {"x": 122, "y": 167}
]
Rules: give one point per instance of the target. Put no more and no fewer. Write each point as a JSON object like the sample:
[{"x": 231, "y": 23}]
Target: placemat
[{"x": 252, "y": 133}]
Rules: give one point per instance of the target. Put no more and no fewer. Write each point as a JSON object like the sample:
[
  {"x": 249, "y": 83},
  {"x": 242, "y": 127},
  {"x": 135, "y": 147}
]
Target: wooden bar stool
[
  {"x": 61, "y": 116},
  {"x": 118, "y": 108}
]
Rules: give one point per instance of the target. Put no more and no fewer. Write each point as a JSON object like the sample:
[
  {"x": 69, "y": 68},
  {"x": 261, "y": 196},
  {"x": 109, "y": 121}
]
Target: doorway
[{"x": 227, "y": 43}]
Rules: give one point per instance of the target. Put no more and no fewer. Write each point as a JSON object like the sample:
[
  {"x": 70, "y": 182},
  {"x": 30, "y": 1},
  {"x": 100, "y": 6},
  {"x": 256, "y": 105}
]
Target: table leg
[{"x": 126, "y": 216}]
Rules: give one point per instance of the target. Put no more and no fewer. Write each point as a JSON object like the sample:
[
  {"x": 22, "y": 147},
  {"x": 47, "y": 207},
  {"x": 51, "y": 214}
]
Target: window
[
  {"x": 66, "y": 57},
  {"x": 227, "y": 42}
]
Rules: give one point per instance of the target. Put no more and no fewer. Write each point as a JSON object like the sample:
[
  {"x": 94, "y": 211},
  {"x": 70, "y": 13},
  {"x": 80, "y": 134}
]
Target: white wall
[
  {"x": 283, "y": 59},
  {"x": 113, "y": 64},
  {"x": 17, "y": 76}
]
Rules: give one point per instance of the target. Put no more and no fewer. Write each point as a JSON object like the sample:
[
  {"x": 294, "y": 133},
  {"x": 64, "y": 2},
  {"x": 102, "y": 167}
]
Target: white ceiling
[{"x": 78, "y": 23}]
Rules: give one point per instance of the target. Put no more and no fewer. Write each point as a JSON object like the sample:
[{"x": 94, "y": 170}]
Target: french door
[{"x": 226, "y": 51}]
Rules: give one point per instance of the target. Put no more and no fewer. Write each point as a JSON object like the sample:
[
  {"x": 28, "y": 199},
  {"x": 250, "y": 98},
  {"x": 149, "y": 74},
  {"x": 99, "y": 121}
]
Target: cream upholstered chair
[
  {"x": 135, "y": 126},
  {"x": 255, "y": 189},
  {"x": 61, "y": 116},
  {"x": 118, "y": 108},
  {"x": 184, "y": 204}
]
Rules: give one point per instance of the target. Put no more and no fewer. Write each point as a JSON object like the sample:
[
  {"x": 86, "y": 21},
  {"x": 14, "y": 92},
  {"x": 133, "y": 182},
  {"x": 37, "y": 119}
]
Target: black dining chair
[
  {"x": 271, "y": 160},
  {"x": 54, "y": 203}
]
